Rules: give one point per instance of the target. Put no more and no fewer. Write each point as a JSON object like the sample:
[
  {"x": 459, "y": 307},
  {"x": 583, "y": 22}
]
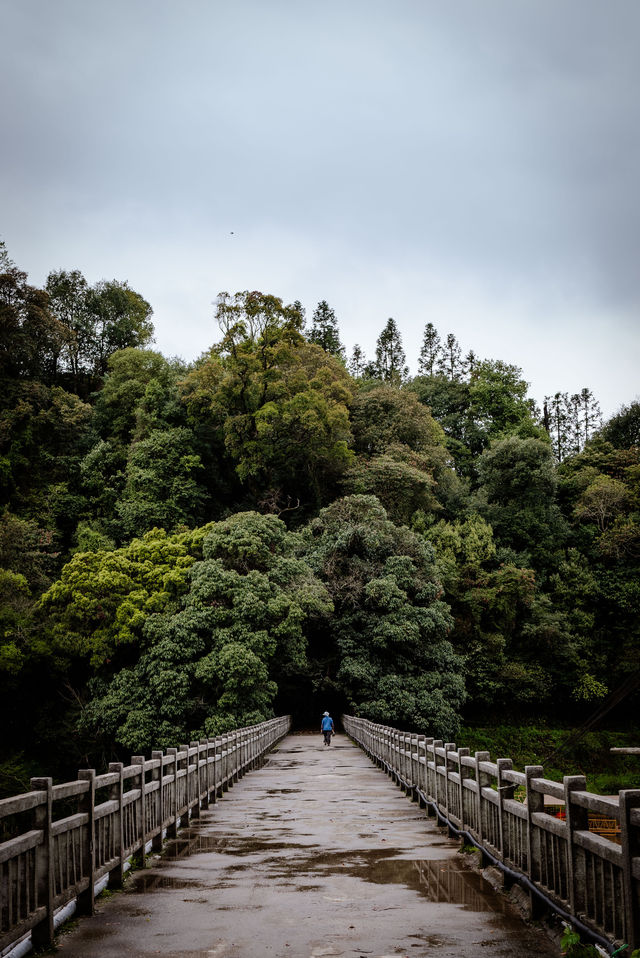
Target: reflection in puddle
[
  {"x": 152, "y": 881},
  {"x": 446, "y": 880},
  {"x": 194, "y": 843},
  {"x": 306, "y": 867}
]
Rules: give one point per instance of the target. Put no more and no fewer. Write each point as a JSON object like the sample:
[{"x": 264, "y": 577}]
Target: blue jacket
[{"x": 327, "y": 723}]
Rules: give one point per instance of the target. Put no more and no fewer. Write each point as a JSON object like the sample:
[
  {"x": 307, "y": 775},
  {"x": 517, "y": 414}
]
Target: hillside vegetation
[{"x": 185, "y": 548}]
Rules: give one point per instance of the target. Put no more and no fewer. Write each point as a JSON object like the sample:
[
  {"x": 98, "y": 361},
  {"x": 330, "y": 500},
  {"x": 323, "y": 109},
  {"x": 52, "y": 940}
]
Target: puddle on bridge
[{"x": 305, "y": 868}]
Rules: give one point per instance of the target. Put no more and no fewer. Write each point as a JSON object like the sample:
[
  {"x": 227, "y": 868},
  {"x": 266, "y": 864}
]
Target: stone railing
[
  {"x": 68, "y": 837},
  {"x": 589, "y": 880}
]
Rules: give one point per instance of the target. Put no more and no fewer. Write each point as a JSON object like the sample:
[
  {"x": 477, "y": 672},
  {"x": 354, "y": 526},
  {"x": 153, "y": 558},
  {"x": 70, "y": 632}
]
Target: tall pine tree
[
  {"x": 450, "y": 361},
  {"x": 430, "y": 352},
  {"x": 391, "y": 361},
  {"x": 358, "y": 362},
  {"x": 324, "y": 330}
]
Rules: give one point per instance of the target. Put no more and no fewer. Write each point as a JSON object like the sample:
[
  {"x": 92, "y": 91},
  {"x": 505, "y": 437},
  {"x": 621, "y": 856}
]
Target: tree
[
  {"x": 602, "y": 502},
  {"x": 43, "y": 435},
  {"x": 470, "y": 363},
  {"x": 492, "y": 404},
  {"x": 489, "y": 600},
  {"x": 517, "y": 495},
  {"x": 133, "y": 377},
  {"x": 401, "y": 456},
  {"x": 590, "y": 417},
  {"x": 623, "y": 429},
  {"x": 401, "y": 479},
  {"x": 498, "y": 400},
  {"x": 31, "y": 338},
  {"x": 98, "y": 320},
  {"x": 392, "y": 659},
  {"x": 385, "y": 416},
  {"x": 162, "y": 486},
  {"x": 357, "y": 363},
  {"x": 391, "y": 361},
  {"x": 450, "y": 360},
  {"x": 430, "y": 351},
  {"x": 324, "y": 330},
  {"x": 577, "y": 418},
  {"x": 557, "y": 422},
  {"x": 215, "y": 662},
  {"x": 280, "y": 404},
  {"x": 145, "y": 469},
  {"x": 68, "y": 292},
  {"x": 121, "y": 319},
  {"x": 99, "y": 605}
]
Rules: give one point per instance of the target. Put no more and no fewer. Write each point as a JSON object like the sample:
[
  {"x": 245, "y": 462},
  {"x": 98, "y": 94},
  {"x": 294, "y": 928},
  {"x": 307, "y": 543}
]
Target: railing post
[
  {"x": 630, "y": 840},
  {"x": 139, "y": 760},
  {"x": 195, "y": 811},
  {"x": 502, "y": 764},
  {"x": 420, "y": 769},
  {"x": 204, "y": 742},
  {"x": 184, "y": 818},
  {"x": 213, "y": 770},
  {"x": 437, "y": 743},
  {"x": 116, "y": 792},
  {"x": 428, "y": 791},
  {"x": 448, "y": 747},
  {"x": 172, "y": 827},
  {"x": 157, "y": 775},
  {"x": 87, "y": 804},
  {"x": 42, "y": 933},
  {"x": 224, "y": 746},
  {"x": 462, "y": 774},
  {"x": 482, "y": 779},
  {"x": 576, "y": 819},
  {"x": 219, "y": 764},
  {"x": 535, "y": 803}
]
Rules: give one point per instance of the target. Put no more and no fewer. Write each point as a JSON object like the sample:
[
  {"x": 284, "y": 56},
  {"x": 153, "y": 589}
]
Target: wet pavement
[{"x": 316, "y": 854}]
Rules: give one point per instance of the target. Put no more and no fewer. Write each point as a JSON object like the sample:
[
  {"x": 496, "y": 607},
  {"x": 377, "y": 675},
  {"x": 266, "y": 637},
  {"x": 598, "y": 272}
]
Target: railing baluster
[{"x": 42, "y": 933}]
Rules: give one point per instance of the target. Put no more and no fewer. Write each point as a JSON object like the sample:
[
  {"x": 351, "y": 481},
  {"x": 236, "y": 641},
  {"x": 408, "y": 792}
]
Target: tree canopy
[{"x": 185, "y": 547}]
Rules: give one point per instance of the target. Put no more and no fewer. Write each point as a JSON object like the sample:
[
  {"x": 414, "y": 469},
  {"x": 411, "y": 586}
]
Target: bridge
[{"x": 314, "y": 853}]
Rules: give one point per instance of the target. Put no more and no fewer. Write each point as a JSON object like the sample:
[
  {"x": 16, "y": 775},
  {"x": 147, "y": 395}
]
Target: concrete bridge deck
[{"x": 316, "y": 854}]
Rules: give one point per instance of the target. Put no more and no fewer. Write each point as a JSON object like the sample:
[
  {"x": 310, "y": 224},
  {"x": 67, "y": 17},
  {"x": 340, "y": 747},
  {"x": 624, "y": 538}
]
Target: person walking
[{"x": 326, "y": 727}]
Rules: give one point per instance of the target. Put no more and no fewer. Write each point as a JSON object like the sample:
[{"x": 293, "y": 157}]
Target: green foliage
[
  {"x": 393, "y": 658},
  {"x": 491, "y": 403},
  {"x": 623, "y": 429},
  {"x": 161, "y": 483},
  {"x": 390, "y": 362},
  {"x": 399, "y": 478},
  {"x": 97, "y": 321},
  {"x": 517, "y": 496},
  {"x": 31, "y": 338},
  {"x": 324, "y": 330},
  {"x": 117, "y": 465},
  {"x": 134, "y": 375},
  {"x": 384, "y": 416},
  {"x": 279, "y": 404},
  {"x": 102, "y": 599},
  {"x": 43, "y": 433},
  {"x": 532, "y": 742},
  {"x": 401, "y": 456},
  {"x": 213, "y": 661},
  {"x": 572, "y": 946}
]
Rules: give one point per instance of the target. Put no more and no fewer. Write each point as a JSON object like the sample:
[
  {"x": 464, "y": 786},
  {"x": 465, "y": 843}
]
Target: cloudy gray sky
[{"x": 473, "y": 163}]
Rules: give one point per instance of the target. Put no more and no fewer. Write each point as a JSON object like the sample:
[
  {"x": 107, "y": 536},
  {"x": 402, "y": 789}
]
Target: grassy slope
[{"x": 532, "y": 744}]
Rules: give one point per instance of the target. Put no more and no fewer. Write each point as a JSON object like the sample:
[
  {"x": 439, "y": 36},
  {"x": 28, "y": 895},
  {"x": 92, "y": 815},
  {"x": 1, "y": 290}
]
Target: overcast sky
[{"x": 473, "y": 163}]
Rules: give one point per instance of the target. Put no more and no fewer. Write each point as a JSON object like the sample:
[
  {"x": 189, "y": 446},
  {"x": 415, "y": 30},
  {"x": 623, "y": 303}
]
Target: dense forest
[{"x": 186, "y": 548}]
